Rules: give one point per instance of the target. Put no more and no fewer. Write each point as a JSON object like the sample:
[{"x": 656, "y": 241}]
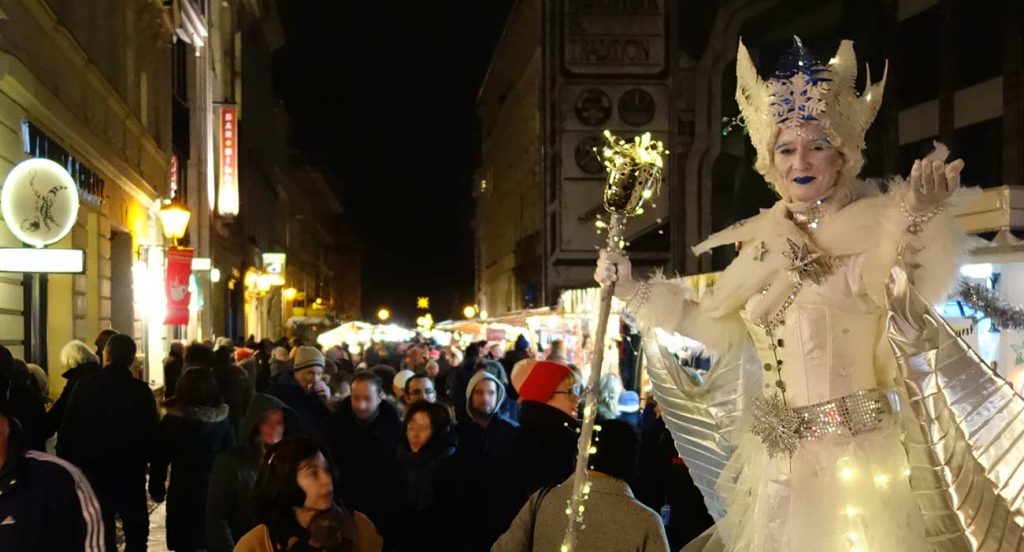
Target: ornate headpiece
[{"x": 803, "y": 90}]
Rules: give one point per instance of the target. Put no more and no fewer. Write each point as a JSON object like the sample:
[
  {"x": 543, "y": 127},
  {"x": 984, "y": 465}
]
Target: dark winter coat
[
  {"x": 428, "y": 478},
  {"x": 28, "y": 405},
  {"x": 229, "y": 507},
  {"x": 48, "y": 502},
  {"x": 190, "y": 438},
  {"x": 74, "y": 375},
  {"x": 306, "y": 404},
  {"x": 172, "y": 373},
  {"x": 367, "y": 460},
  {"x": 236, "y": 388},
  {"x": 543, "y": 454},
  {"x": 110, "y": 428},
  {"x": 454, "y": 386},
  {"x": 484, "y": 443}
]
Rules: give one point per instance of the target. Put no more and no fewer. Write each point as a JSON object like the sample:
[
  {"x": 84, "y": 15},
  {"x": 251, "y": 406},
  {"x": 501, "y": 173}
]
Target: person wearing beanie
[
  {"x": 398, "y": 390},
  {"x": 615, "y": 520},
  {"x": 302, "y": 388},
  {"x": 109, "y": 430},
  {"x": 543, "y": 452},
  {"x": 46, "y": 503},
  {"x": 485, "y": 440}
]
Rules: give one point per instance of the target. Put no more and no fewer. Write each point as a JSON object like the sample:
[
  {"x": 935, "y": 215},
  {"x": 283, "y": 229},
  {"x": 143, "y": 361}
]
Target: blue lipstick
[{"x": 803, "y": 180}]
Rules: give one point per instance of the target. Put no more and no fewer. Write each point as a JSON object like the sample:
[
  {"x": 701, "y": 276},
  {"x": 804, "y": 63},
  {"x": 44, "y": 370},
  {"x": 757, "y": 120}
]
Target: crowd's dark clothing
[
  {"x": 365, "y": 452},
  {"x": 543, "y": 454},
  {"x": 428, "y": 478},
  {"x": 454, "y": 386},
  {"x": 73, "y": 375},
  {"x": 236, "y": 388},
  {"x": 190, "y": 438},
  {"x": 49, "y": 502},
  {"x": 479, "y": 463},
  {"x": 173, "y": 367},
  {"x": 663, "y": 479},
  {"x": 109, "y": 431},
  {"x": 309, "y": 408},
  {"x": 508, "y": 362},
  {"x": 229, "y": 507},
  {"x": 29, "y": 407}
]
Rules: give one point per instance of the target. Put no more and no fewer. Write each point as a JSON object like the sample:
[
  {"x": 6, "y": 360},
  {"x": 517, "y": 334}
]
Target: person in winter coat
[
  {"x": 296, "y": 509},
  {"x": 174, "y": 364},
  {"x": 229, "y": 509},
  {"x": 24, "y": 400},
  {"x": 508, "y": 409},
  {"x": 194, "y": 431},
  {"x": 363, "y": 436},
  {"x": 426, "y": 460},
  {"x": 453, "y": 388},
  {"x": 302, "y": 388},
  {"x": 520, "y": 351},
  {"x": 109, "y": 431},
  {"x": 235, "y": 385},
  {"x": 544, "y": 449},
  {"x": 45, "y": 502},
  {"x": 79, "y": 362},
  {"x": 614, "y": 520},
  {"x": 484, "y": 441}
]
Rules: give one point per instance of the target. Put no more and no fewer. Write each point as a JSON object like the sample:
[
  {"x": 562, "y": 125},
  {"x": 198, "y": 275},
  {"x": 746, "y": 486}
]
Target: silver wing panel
[{"x": 705, "y": 418}]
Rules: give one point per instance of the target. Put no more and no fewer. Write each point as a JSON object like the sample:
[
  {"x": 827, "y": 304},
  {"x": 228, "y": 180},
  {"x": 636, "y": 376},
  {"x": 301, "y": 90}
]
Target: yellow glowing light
[
  {"x": 851, "y": 511},
  {"x": 483, "y": 314},
  {"x": 174, "y": 218},
  {"x": 264, "y": 282},
  {"x": 469, "y": 311},
  {"x": 423, "y": 302},
  {"x": 846, "y": 474},
  {"x": 854, "y": 536},
  {"x": 592, "y": 450},
  {"x": 215, "y": 275},
  {"x": 383, "y": 314},
  {"x": 882, "y": 480},
  {"x": 289, "y": 294},
  {"x": 250, "y": 279}
]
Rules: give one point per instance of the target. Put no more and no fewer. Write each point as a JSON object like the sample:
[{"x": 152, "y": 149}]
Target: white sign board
[{"x": 39, "y": 202}]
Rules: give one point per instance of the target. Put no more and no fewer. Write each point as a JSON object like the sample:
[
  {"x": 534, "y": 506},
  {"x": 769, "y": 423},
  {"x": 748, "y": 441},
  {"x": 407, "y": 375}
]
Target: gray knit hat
[{"x": 306, "y": 357}]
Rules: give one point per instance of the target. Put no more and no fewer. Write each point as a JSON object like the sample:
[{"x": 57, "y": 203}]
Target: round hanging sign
[{"x": 39, "y": 202}]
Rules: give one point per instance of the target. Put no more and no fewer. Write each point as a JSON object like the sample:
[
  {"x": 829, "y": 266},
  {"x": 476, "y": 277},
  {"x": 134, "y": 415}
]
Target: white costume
[{"x": 802, "y": 447}]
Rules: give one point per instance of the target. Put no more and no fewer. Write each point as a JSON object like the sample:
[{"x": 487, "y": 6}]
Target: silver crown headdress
[{"x": 803, "y": 90}]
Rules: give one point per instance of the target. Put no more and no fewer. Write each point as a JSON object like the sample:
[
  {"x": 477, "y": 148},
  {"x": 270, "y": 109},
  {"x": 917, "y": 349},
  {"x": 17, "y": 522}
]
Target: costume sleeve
[{"x": 672, "y": 308}]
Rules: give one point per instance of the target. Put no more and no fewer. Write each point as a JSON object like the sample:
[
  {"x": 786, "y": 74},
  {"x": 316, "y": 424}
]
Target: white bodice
[{"x": 828, "y": 342}]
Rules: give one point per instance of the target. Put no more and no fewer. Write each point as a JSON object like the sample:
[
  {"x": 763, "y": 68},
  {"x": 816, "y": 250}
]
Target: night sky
[{"x": 382, "y": 96}]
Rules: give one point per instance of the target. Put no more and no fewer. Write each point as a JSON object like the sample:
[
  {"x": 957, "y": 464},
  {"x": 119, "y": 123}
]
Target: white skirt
[{"x": 839, "y": 493}]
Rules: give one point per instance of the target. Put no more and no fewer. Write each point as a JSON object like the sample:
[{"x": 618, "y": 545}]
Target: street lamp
[
  {"x": 289, "y": 294},
  {"x": 469, "y": 311},
  {"x": 174, "y": 219},
  {"x": 383, "y": 314}
]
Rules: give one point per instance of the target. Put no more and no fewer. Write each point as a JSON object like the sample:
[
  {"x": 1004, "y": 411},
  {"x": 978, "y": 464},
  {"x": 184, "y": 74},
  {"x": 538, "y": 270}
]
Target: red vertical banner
[
  {"x": 179, "y": 268},
  {"x": 227, "y": 194}
]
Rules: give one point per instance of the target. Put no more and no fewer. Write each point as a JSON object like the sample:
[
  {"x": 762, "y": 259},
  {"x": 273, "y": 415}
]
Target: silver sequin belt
[
  {"x": 782, "y": 429},
  {"x": 851, "y": 414}
]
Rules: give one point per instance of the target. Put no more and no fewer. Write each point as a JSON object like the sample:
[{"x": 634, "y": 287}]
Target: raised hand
[{"x": 932, "y": 183}]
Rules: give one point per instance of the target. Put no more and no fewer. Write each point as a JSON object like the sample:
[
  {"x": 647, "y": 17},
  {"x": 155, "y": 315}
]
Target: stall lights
[
  {"x": 215, "y": 275},
  {"x": 483, "y": 314},
  {"x": 469, "y": 311},
  {"x": 383, "y": 314},
  {"x": 289, "y": 294}
]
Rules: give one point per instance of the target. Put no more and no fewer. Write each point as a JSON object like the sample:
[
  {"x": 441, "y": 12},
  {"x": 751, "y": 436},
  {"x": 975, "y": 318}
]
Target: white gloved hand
[
  {"x": 932, "y": 183},
  {"x": 615, "y": 267}
]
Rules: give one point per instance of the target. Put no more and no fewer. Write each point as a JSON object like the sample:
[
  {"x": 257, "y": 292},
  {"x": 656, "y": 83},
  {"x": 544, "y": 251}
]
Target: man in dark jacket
[
  {"x": 544, "y": 449},
  {"x": 235, "y": 385},
  {"x": 24, "y": 401},
  {"x": 484, "y": 441},
  {"x": 229, "y": 508},
  {"x": 109, "y": 431},
  {"x": 302, "y": 388},
  {"x": 364, "y": 435},
  {"x": 45, "y": 502},
  {"x": 521, "y": 351},
  {"x": 453, "y": 391}
]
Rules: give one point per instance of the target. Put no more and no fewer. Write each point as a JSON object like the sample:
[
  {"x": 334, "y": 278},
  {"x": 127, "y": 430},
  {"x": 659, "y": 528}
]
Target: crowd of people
[{"x": 278, "y": 445}]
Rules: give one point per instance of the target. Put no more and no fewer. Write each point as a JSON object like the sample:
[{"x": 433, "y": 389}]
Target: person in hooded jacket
[
  {"x": 229, "y": 507},
  {"x": 426, "y": 460},
  {"x": 79, "y": 362},
  {"x": 484, "y": 441},
  {"x": 453, "y": 388},
  {"x": 194, "y": 431}
]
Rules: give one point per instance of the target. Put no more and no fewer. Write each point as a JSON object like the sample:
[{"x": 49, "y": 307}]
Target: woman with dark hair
[
  {"x": 193, "y": 432},
  {"x": 427, "y": 469},
  {"x": 296, "y": 508}
]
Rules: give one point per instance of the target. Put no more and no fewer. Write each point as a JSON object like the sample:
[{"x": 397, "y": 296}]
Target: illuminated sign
[
  {"x": 39, "y": 202},
  {"x": 227, "y": 197},
  {"x": 274, "y": 265}
]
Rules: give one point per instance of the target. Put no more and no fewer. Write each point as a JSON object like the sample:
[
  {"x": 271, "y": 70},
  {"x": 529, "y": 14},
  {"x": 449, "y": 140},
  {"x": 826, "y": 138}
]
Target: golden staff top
[{"x": 634, "y": 172}]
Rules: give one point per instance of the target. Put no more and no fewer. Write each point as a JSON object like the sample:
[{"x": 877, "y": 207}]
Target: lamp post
[{"x": 174, "y": 219}]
